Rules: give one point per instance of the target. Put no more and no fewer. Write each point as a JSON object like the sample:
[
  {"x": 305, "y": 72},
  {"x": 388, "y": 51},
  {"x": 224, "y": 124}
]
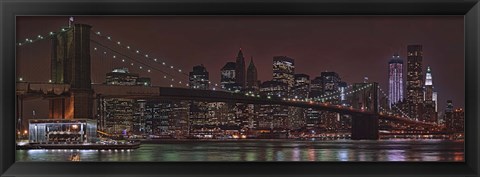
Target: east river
[{"x": 265, "y": 150}]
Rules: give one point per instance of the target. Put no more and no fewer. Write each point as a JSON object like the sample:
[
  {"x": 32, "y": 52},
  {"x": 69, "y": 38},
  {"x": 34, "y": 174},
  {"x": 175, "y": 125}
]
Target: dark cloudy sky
[{"x": 353, "y": 46}]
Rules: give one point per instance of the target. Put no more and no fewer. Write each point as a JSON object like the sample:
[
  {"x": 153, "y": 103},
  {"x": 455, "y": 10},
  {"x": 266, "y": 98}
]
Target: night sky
[{"x": 352, "y": 46}]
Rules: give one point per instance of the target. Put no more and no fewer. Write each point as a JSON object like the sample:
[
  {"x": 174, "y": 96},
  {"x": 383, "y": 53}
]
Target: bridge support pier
[
  {"x": 58, "y": 107},
  {"x": 365, "y": 127},
  {"x": 78, "y": 105},
  {"x": 19, "y": 113}
]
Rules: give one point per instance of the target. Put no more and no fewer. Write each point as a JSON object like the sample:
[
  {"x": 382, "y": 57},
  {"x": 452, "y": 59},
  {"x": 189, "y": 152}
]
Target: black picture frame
[{"x": 10, "y": 8}]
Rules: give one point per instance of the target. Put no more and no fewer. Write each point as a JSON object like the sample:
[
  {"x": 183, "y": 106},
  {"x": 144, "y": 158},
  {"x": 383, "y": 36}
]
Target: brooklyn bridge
[{"x": 71, "y": 93}]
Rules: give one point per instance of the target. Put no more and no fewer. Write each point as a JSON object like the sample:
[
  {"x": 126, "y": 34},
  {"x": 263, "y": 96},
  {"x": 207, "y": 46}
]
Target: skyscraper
[
  {"x": 301, "y": 87},
  {"x": 414, "y": 80},
  {"x": 330, "y": 84},
  {"x": 240, "y": 69},
  {"x": 301, "y": 90},
  {"x": 395, "y": 80},
  {"x": 252, "y": 81},
  {"x": 198, "y": 110},
  {"x": 316, "y": 88},
  {"x": 458, "y": 120},
  {"x": 342, "y": 88},
  {"x": 429, "y": 110},
  {"x": 330, "y": 81},
  {"x": 117, "y": 114},
  {"x": 227, "y": 78},
  {"x": 284, "y": 70},
  {"x": 273, "y": 116},
  {"x": 199, "y": 78},
  {"x": 449, "y": 122},
  {"x": 313, "y": 115},
  {"x": 428, "y": 85}
]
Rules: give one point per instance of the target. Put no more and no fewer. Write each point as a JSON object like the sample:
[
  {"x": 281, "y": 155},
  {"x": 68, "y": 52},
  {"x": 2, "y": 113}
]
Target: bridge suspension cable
[
  {"x": 39, "y": 37},
  {"x": 138, "y": 52},
  {"x": 345, "y": 93},
  {"x": 142, "y": 65},
  {"x": 334, "y": 93},
  {"x": 398, "y": 109}
]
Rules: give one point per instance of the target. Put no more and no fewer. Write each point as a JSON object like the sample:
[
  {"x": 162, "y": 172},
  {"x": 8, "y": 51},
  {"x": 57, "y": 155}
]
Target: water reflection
[{"x": 266, "y": 150}]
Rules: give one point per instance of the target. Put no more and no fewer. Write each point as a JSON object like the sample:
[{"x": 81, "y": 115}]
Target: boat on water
[{"x": 93, "y": 146}]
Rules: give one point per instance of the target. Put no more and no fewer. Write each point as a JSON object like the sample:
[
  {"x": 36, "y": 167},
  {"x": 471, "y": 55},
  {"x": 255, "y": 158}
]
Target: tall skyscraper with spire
[
  {"x": 252, "y": 81},
  {"x": 240, "y": 69},
  {"x": 395, "y": 80},
  {"x": 414, "y": 80},
  {"x": 429, "y": 107},
  {"x": 428, "y": 85}
]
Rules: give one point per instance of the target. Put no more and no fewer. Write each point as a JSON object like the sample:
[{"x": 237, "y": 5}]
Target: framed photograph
[{"x": 254, "y": 88}]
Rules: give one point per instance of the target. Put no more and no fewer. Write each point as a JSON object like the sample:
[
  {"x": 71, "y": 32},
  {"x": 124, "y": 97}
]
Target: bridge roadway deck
[{"x": 169, "y": 93}]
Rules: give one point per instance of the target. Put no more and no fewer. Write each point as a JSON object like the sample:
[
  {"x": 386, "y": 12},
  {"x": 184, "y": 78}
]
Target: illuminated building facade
[
  {"x": 119, "y": 115},
  {"x": 313, "y": 115},
  {"x": 228, "y": 79},
  {"x": 199, "y": 78},
  {"x": 300, "y": 90},
  {"x": 62, "y": 131},
  {"x": 284, "y": 70},
  {"x": 458, "y": 120},
  {"x": 330, "y": 82},
  {"x": 395, "y": 80},
  {"x": 273, "y": 116},
  {"x": 330, "y": 85},
  {"x": 449, "y": 121},
  {"x": 414, "y": 81},
  {"x": 316, "y": 88},
  {"x": 301, "y": 87},
  {"x": 429, "y": 104}
]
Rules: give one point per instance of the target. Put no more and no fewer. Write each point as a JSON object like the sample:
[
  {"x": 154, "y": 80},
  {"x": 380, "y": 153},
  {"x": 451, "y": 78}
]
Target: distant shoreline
[{"x": 156, "y": 141}]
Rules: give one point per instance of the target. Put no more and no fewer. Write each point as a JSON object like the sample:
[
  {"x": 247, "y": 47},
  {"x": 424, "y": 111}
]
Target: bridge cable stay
[
  {"x": 104, "y": 55},
  {"x": 334, "y": 93},
  {"x": 398, "y": 109},
  {"x": 140, "y": 53},
  {"x": 142, "y": 65},
  {"x": 345, "y": 93},
  {"x": 30, "y": 41},
  {"x": 147, "y": 56},
  {"x": 39, "y": 37}
]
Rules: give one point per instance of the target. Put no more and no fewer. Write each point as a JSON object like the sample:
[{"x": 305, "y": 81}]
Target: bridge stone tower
[
  {"x": 70, "y": 64},
  {"x": 365, "y": 126}
]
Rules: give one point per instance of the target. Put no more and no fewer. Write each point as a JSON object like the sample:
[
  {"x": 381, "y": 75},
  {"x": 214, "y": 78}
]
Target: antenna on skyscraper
[{"x": 70, "y": 22}]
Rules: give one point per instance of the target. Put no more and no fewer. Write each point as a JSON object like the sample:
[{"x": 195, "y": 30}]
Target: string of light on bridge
[
  {"x": 398, "y": 109},
  {"x": 145, "y": 55},
  {"x": 345, "y": 93},
  {"x": 134, "y": 63},
  {"x": 334, "y": 93},
  {"x": 37, "y": 38}
]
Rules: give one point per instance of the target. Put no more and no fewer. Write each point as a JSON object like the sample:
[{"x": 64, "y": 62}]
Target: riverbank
[{"x": 135, "y": 145}]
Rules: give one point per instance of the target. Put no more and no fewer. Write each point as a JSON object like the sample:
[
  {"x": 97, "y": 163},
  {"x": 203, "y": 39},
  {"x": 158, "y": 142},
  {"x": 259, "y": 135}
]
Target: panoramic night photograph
[{"x": 240, "y": 88}]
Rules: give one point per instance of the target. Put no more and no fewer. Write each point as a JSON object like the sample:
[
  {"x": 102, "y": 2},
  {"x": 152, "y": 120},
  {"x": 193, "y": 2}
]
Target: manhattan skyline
[{"x": 316, "y": 43}]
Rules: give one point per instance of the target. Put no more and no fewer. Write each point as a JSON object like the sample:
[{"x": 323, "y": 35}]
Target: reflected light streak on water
[{"x": 266, "y": 150}]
